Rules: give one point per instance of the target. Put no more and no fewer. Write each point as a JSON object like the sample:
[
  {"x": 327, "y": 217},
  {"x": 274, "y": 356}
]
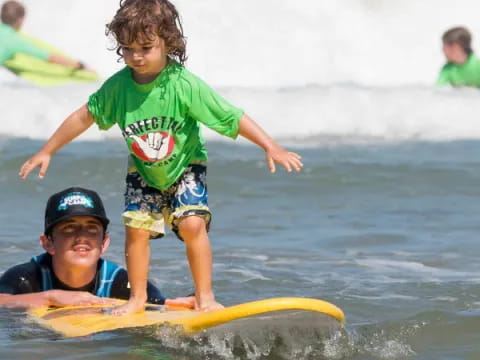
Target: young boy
[
  {"x": 462, "y": 67},
  {"x": 159, "y": 106}
]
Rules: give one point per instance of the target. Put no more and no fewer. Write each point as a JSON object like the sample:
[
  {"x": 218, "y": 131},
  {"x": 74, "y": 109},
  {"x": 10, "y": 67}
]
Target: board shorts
[{"x": 149, "y": 208}]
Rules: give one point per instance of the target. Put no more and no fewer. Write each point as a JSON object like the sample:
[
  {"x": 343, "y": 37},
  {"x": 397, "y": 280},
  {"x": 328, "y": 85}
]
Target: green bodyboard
[{"x": 42, "y": 72}]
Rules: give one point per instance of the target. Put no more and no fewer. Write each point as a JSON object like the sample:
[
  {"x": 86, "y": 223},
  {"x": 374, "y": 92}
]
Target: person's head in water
[
  {"x": 75, "y": 232},
  {"x": 457, "y": 44},
  {"x": 13, "y": 14}
]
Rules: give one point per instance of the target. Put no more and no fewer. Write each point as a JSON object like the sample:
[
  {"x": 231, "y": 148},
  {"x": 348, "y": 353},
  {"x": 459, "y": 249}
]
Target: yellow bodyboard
[
  {"x": 76, "y": 321},
  {"x": 42, "y": 72}
]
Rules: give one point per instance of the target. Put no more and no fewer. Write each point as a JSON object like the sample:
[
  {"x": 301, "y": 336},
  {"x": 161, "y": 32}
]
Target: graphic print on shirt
[
  {"x": 153, "y": 146},
  {"x": 151, "y": 139}
]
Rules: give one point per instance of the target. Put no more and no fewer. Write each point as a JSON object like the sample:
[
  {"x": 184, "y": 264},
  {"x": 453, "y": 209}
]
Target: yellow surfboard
[
  {"x": 42, "y": 72},
  {"x": 76, "y": 321}
]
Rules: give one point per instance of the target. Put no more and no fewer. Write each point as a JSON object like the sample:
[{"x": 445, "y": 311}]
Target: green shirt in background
[
  {"x": 160, "y": 121},
  {"x": 467, "y": 74},
  {"x": 12, "y": 43}
]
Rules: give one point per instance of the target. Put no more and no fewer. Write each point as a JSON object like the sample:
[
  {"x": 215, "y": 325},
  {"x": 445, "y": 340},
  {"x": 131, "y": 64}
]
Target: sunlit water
[{"x": 386, "y": 231}]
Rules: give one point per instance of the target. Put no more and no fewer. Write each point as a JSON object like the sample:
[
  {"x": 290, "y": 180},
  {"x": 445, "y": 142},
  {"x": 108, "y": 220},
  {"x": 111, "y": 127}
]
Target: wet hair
[
  {"x": 142, "y": 20},
  {"x": 11, "y": 12},
  {"x": 459, "y": 35}
]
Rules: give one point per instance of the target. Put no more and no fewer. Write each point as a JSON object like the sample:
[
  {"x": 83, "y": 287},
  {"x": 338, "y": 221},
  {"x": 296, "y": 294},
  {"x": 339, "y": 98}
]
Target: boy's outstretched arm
[
  {"x": 74, "y": 125},
  {"x": 273, "y": 152}
]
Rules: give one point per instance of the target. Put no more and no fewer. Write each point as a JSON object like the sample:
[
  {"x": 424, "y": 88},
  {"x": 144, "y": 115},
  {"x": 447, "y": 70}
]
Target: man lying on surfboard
[
  {"x": 71, "y": 271},
  {"x": 12, "y": 16}
]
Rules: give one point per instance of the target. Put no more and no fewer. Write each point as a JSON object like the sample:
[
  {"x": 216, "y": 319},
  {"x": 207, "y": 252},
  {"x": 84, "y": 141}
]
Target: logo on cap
[{"x": 75, "y": 198}]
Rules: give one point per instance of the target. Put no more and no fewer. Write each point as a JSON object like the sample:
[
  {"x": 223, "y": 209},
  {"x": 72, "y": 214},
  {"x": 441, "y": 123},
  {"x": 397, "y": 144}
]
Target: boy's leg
[
  {"x": 137, "y": 257},
  {"x": 143, "y": 220},
  {"x": 190, "y": 218},
  {"x": 193, "y": 231}
]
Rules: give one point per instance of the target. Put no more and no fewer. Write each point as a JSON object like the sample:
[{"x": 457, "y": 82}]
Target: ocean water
[
  {"x": 386, "y": 231},
  {"x": 383, "y": 221}
]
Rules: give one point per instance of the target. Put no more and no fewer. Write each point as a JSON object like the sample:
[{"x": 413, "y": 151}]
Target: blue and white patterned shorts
[{"x": 149, "y": 208}]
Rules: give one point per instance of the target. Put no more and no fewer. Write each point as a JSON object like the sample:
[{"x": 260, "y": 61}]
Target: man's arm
[
  {"x": 24, "y": 300},
  {"x": 62, "y": 60},
  {"x": 23, "y": 46},
  {"x": 20, "y": 287},
  {"x": 57, "y": 298}
]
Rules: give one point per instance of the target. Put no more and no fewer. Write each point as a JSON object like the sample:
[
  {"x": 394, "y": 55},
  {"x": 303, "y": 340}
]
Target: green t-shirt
[
  {"x": 467, "y": 74},
  {"x": 160, "y": 121},
  {"x": 12, "y": 43}
]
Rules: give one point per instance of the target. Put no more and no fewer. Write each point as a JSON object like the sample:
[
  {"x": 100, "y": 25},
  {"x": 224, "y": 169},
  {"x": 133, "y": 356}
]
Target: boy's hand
[
  {"x": 274, "y": 153},
  {"x": 285, "y": 158},
  {"x": 41, "y": 159}
]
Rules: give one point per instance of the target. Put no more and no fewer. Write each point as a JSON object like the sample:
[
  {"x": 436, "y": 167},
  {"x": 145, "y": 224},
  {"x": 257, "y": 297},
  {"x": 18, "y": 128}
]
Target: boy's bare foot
[
  {"x": 207, "y": 303},
  {"x": 210, "y": 306},
  {"x": 131, "y": 306}
]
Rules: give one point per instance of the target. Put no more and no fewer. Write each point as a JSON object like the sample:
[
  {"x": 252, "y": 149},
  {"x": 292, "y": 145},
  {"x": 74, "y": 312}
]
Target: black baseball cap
[{"x": 74, "y": 201}]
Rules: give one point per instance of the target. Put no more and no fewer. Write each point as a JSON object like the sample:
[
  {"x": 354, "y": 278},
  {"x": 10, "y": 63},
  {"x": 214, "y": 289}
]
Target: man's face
[{"x": 76, "y": 242}]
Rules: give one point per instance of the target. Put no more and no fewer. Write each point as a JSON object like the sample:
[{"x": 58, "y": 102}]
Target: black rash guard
[{"x": 27, "y": 278}]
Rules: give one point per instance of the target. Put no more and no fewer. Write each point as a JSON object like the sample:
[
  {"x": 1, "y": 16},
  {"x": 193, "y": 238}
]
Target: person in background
[
  {"x": 463, "y": 66},
  {"x": 13, "y": 16},
  {"x": 71, "y": 271}
]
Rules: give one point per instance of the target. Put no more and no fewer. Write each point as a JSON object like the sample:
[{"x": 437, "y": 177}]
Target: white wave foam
[
  {"x": 272, "y": 43},
  {"x": 384, "y": 297},
  {"x": 301, "y": 43},
  {"x": 393, "y": 266},
  {"x": 259, "y": 257},
  {"x": 314, "y": 115},
  {"x": 246, "y": 274}
]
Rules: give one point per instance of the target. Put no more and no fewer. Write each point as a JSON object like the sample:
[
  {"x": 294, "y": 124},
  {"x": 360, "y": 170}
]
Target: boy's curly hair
[{"x": 141, "y": 20}]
